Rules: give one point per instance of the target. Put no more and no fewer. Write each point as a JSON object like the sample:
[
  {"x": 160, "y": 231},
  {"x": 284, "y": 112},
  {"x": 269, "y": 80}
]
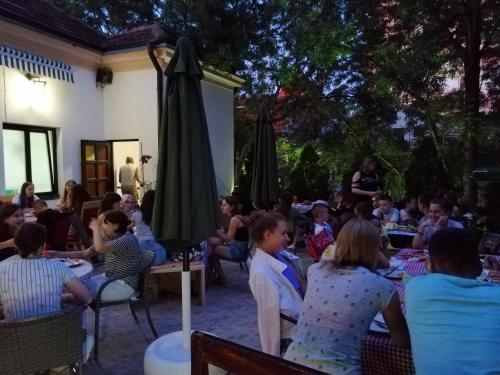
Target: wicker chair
[
  {"x": 37, "y": 344},
  {"x": 138, "y": 298}
]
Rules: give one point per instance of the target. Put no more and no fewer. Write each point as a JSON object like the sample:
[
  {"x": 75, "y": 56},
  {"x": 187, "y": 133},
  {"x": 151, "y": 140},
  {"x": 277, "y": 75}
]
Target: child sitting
[{"x": 322, "y": 235}]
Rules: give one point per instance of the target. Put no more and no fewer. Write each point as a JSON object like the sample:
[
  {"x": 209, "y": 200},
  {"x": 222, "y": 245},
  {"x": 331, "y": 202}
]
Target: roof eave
[{"x": 53, "y": 33}]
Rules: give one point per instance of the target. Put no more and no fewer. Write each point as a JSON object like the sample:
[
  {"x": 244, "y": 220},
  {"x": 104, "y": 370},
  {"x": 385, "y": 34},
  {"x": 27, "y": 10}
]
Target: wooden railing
[{"x": 237, "y": 359}]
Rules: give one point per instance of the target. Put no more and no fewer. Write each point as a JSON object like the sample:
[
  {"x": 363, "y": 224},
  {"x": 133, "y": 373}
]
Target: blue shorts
[
  {"x": 155, "y": 247},
  {"x": 237, "y": 248}
]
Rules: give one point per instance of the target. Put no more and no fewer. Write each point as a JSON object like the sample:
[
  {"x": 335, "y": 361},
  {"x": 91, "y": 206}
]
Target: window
[{"x": 30, "y": 155}]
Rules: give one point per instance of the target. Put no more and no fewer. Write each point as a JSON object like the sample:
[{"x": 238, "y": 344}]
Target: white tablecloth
[{"x": 83, "y": 271}]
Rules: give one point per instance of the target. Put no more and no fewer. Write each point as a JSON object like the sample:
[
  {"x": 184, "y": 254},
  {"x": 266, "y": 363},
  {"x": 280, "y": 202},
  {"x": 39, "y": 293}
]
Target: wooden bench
[
  {"x": 238, "y": 359},
  {"x": 160, "y": 279}
]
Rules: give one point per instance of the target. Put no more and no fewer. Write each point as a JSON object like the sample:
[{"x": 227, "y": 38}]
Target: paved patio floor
[{"x": 230, "y": 312}]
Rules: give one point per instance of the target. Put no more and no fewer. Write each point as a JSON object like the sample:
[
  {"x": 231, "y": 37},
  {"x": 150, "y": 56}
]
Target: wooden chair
[
  {"x": 89, "y": 211},
  {"x": 6, "y": 199},
  {"x": 37, "y": 344},
  {"x": 138, "y": 298},
  {"x": 238, "y": 359},
  {"x": 61, "y": 230}
]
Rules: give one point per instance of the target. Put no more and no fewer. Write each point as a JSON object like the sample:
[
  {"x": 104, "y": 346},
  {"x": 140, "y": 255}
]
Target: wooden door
[{"x": 97, "y": 167}]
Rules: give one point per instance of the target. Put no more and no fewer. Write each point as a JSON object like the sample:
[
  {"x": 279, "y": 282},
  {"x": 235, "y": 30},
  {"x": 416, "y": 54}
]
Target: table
[
  {"x": 197, "y": 271},
  {"x": 380, "y": 355},
  {"x": 400, "y": 239},
  {"x": 83, "y": 271}
]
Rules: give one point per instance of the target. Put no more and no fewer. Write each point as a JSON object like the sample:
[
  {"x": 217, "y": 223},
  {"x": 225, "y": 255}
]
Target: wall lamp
[{"x": 37, "y": 81}]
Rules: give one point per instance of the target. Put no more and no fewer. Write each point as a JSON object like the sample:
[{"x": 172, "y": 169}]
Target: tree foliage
[{"x": 341, "y": 74}]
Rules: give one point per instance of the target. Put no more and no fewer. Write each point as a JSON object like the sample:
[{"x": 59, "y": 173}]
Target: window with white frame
[{"x": 30, "y": 155}]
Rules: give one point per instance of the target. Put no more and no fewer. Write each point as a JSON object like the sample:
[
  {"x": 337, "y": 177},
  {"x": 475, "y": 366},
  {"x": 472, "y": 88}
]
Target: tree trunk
[
  {"x": 243, "y": 156},
  {"x": 472, "y": 71},
  {"x": 441, "y": 154}
]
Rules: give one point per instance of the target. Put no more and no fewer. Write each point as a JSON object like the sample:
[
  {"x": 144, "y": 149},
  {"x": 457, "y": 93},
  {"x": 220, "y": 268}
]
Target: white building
[{"x": 50, "y": 103}]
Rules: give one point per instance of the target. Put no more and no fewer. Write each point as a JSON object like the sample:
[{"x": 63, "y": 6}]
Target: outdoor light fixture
[{"x": 37, "y": 81}]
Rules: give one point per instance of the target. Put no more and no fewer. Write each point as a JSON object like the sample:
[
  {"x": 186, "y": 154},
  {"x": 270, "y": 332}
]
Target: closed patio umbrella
[
  {"x": 264, "y": 191},
  {"x": 186, "y": 205}
]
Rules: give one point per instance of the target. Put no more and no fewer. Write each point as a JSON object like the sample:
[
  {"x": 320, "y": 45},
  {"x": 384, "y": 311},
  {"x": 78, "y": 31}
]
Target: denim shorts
[
  {"x": 237, "y": 248},
  {"x": 155, "y": 247}
]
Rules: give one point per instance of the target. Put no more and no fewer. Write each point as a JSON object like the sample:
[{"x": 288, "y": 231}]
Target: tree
[
  {"x": 430, "y": 41},
  {"x": 342, "y": 73}
]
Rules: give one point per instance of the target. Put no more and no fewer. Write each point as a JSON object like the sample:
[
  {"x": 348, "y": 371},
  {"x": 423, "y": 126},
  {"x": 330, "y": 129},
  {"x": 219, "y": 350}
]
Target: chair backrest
[
  {"x": 37, "y": 344},
  {"x": 144, "y": 268},
  {"x": 89, "y": 211},
  {"x": 5, "y": 199},
  {"x": 61, "y": 230},
  {"x": 234, "y": 358}
]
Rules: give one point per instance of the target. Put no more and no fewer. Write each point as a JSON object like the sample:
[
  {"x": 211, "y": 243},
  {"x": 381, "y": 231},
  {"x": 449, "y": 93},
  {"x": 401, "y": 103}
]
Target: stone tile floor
[{"x": 230, "y": 312}]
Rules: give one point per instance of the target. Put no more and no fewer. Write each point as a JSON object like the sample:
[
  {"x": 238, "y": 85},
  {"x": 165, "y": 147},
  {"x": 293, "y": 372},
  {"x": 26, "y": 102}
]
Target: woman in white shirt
[
  {"x": 27, "y": 196},
  {"x": 274, "y": 281}
]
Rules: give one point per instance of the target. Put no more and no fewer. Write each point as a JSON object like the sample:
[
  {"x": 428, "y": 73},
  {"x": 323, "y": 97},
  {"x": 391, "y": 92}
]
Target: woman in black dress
[{"x": 365, "y": 183}]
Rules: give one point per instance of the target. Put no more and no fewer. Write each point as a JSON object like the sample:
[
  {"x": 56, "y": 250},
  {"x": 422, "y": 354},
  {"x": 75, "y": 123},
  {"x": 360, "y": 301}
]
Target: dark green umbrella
[
  {"x": 264, "y": 192},
  {"x": 186, "y": 204}
]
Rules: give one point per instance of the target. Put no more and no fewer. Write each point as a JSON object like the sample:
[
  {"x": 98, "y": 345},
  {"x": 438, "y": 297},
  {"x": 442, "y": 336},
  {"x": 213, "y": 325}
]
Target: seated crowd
[
  {"x": 119, "y": 234},
  {"x": 319, "y": 320}
]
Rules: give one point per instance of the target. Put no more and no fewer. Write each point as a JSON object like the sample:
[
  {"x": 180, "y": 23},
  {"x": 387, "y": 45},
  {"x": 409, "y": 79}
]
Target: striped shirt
[
  {"x": 31, "y": 286},
  {"x": 123, "y": 258}
]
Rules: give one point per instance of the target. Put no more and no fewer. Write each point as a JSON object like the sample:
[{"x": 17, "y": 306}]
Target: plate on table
[
  {"x": 378, "y": 324},
  {"x": 70, "y": 262},
  {"x": 395, "y": 271},
  {"x": 403, "y": 228}
]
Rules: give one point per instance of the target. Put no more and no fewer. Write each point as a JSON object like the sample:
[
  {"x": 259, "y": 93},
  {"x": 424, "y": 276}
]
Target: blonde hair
[{"x": 357, "y": 245}]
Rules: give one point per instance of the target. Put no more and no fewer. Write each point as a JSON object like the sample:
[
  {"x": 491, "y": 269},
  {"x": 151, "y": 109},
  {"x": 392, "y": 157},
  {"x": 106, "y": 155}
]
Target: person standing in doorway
[{"x": 128, "y": 176}]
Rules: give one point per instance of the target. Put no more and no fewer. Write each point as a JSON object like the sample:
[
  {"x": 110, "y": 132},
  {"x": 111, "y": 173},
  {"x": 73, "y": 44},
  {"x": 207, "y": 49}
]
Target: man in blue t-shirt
[
  {"x": 385, "y": 212},
  {"x": 454, "y": 319}
]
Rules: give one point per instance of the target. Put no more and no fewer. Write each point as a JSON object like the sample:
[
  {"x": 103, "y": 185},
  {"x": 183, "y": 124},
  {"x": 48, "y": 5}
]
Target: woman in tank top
[
  {"x": 232, "y": 243},
  {"x": 365, "y": 184}
]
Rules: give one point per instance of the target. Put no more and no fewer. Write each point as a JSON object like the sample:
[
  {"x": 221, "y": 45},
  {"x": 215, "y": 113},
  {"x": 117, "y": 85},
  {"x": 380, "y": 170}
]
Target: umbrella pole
[{"x": 186, "y": 302}]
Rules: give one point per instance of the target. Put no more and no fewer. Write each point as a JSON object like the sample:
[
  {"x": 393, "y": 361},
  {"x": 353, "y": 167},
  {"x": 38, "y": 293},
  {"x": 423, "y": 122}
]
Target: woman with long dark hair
[
  {"x": 11, "y": 218},
  {"x": 142, "y": 228},
  {"x": 232, "y": 243},
  {"x": 27, "y": 196},
  {"x": 64, "y": 204},
  {"x": 365, "y": 184},
  {"x": 78, "y": 196}
]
